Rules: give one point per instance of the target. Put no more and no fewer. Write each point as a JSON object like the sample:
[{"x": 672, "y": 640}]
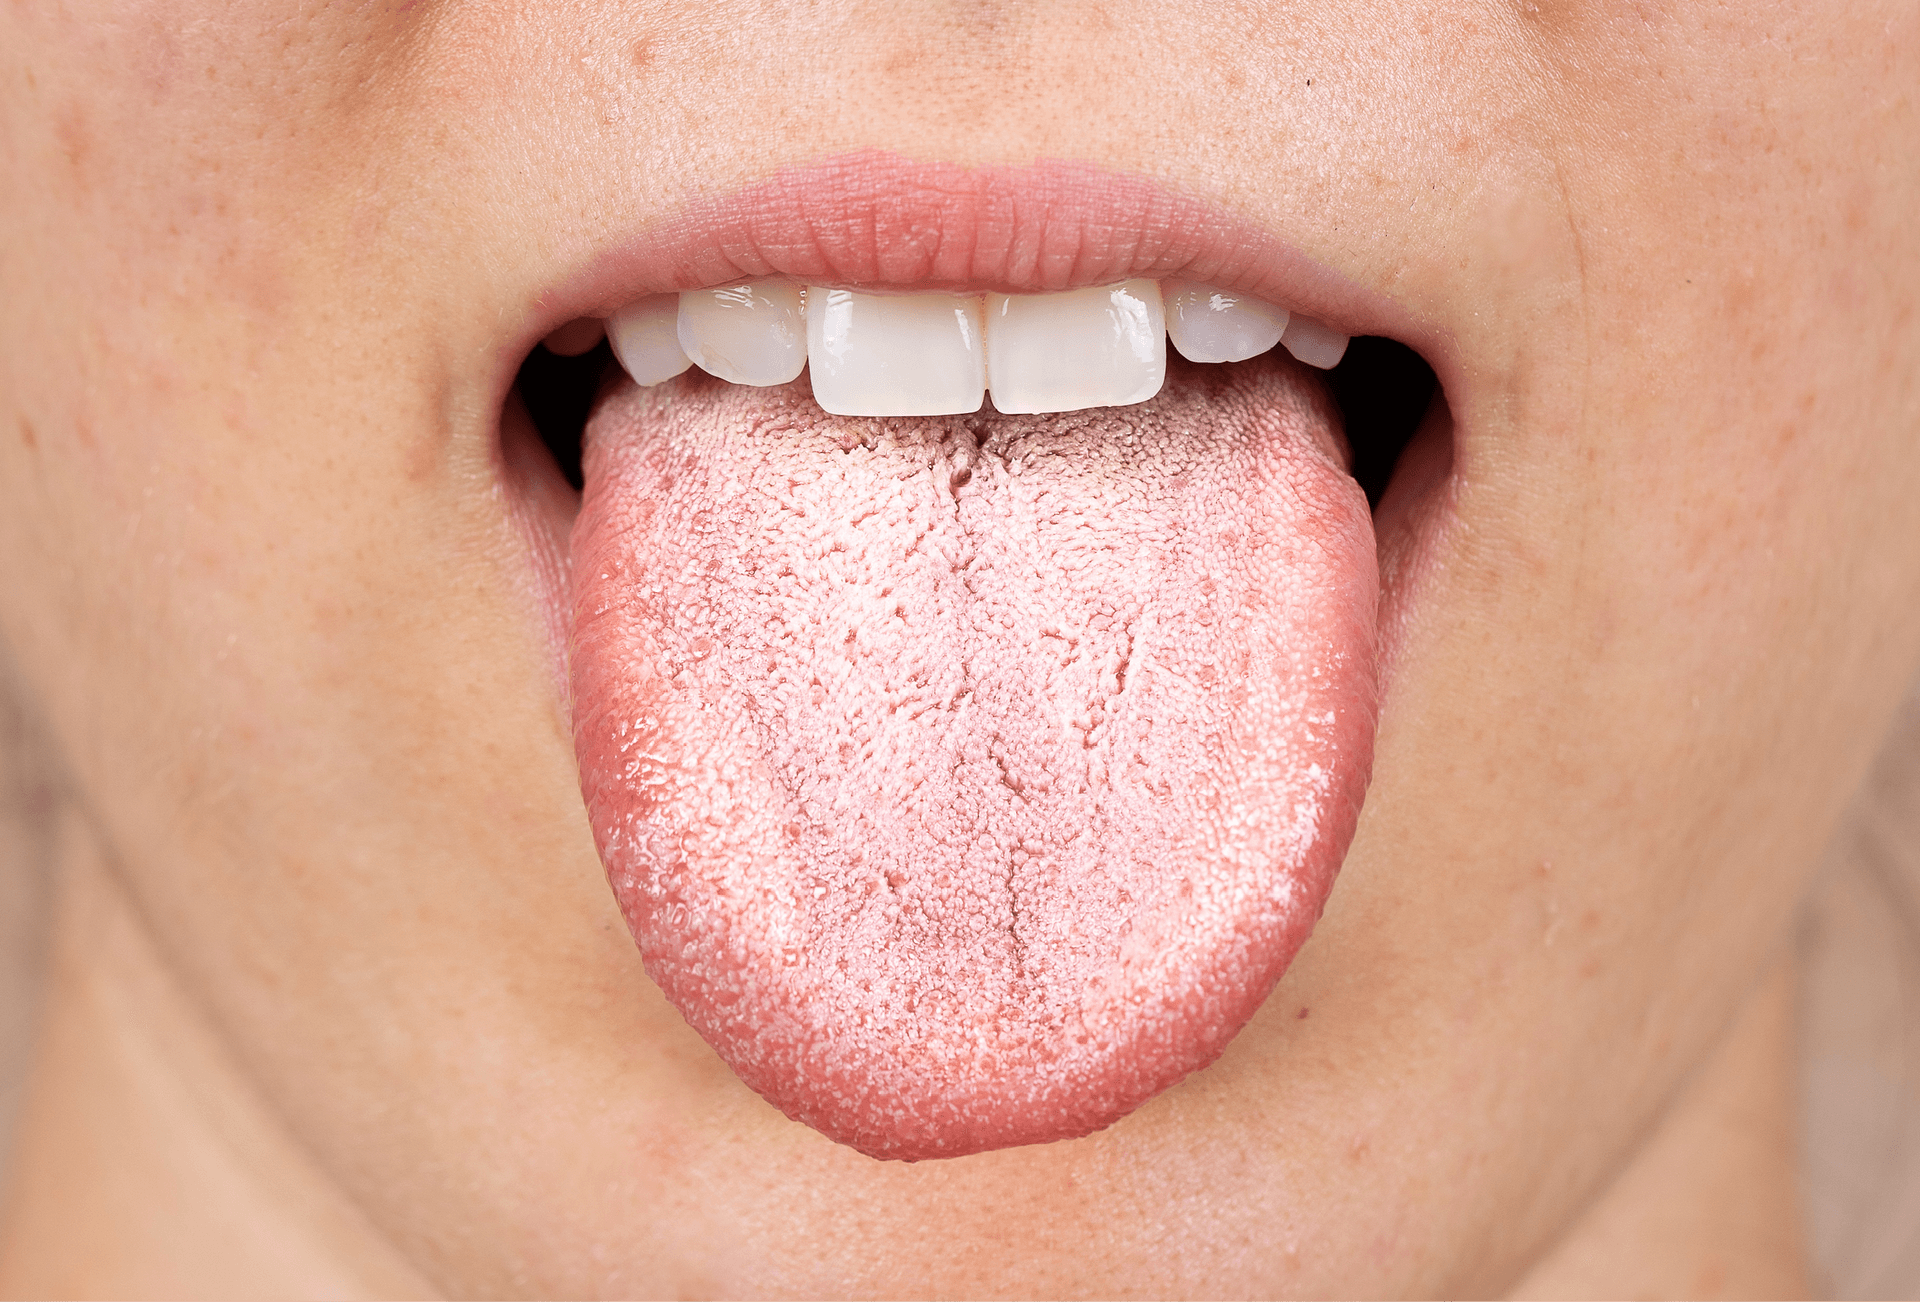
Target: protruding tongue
[{"x": 966, "y": 781}]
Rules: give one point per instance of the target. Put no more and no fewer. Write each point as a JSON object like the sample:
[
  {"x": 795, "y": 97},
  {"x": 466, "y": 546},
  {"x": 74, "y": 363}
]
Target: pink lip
[{"x": 874, "y": 219}]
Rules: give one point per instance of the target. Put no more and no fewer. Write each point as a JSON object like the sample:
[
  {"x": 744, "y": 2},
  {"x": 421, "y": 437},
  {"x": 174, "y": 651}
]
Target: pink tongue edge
[{"x": 704, "y": 939}]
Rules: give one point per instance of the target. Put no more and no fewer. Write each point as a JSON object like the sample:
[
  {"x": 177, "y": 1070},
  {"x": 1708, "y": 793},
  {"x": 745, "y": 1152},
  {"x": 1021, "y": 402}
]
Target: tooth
[
  {"x": 1104, "y": 347},
  {"x": 745, "y": 334},
  {"x": 1314, "y": 344},
  {"x": 1211, "y": 325},
  {"x": 643, "y": 337},
  {"x": 895, "y": 355}
]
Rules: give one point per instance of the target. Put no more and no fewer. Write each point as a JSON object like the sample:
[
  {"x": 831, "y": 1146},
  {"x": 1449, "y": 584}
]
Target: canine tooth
[
  {"x": 644, "y": 338},
  {"x": 745, "y": 334},
  {"x": 1099, "y": 347},
  {"x": 1211, "y": 325},
  {"x": 895, "y": 355},
  {"x": 1314, "y": 344}
]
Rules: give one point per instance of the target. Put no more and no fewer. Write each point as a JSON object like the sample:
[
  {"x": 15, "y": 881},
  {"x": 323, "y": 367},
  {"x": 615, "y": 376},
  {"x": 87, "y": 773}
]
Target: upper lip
[{"x": 876, "y": 220}]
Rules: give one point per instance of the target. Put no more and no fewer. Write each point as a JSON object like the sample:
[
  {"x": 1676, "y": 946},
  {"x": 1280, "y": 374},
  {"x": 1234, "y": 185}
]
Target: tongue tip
[
  {"x": 886, "y": 1142},
  {"x": 906, "y": 1102},
  {"x": 944, "y": 1124},
  {"x": 910, "y": 1121},
  {"x": 1021, "y": 1109}
]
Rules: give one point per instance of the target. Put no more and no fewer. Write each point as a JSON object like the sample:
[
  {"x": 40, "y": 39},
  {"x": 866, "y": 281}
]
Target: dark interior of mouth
[
  {"x": 559, "y": 393},
  {"x": 1382, "y": 388}
]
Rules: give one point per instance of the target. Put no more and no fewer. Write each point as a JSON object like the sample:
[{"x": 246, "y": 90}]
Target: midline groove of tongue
[{"x": 967, "y": 781}]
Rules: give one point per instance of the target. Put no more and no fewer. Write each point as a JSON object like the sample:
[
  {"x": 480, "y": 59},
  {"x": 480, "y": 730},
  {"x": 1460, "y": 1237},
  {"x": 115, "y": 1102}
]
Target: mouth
[{"x": 974, "y": 701}]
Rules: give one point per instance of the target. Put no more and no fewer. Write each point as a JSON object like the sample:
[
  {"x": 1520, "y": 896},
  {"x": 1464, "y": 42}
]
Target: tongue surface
[{"x": 966, "y": 781}]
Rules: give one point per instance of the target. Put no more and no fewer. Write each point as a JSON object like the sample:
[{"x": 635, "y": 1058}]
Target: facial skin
[{"x": 268, "y": 275}]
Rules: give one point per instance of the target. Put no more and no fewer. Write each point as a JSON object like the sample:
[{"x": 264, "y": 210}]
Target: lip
[{"x": 877, "y": 220}]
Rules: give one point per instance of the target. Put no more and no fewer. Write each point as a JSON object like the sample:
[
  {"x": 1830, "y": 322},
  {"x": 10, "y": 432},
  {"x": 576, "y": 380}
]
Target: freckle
[{"x": 76, "y": 139}]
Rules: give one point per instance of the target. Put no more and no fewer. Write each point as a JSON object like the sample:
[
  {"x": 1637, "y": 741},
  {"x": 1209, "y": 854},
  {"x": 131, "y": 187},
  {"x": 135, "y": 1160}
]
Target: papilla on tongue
[{"x": 966, "y": 781}]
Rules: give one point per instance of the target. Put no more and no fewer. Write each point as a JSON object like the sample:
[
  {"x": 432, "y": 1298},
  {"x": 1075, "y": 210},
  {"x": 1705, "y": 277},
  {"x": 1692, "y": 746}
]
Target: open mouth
[
  {"x": 1381, "y": 388},
  {"x": 974, "y": 700}
]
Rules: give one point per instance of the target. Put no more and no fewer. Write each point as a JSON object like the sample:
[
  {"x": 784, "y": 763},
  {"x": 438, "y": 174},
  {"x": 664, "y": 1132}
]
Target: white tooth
[
  {"x": 643, "y": 338},
  {"x": 1104, "y": 347},
  {"x": 1211, "y": 325},
  {"x": 895, "y": 355},
  {"x": 1313, "y": 343},
  {"x": 745, "y": 334}
]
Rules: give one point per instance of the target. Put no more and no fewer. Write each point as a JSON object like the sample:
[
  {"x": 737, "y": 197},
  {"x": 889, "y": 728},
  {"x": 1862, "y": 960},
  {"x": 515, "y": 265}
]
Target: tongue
[{"x": 966, "y": 781}]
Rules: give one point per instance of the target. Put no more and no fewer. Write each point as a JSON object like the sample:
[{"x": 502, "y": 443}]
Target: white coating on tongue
[{"x": 966, "y": 781}]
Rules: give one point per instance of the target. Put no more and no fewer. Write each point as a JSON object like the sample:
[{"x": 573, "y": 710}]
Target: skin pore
[{"x": 340, "y": 1000}]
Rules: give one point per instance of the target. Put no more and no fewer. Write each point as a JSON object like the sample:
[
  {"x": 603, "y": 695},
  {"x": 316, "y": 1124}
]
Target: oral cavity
[{"x": 931, "y": 354}]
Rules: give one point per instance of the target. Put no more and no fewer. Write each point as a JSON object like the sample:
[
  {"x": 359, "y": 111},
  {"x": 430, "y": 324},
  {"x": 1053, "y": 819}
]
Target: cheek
[{"x": 183, "y": 199}]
